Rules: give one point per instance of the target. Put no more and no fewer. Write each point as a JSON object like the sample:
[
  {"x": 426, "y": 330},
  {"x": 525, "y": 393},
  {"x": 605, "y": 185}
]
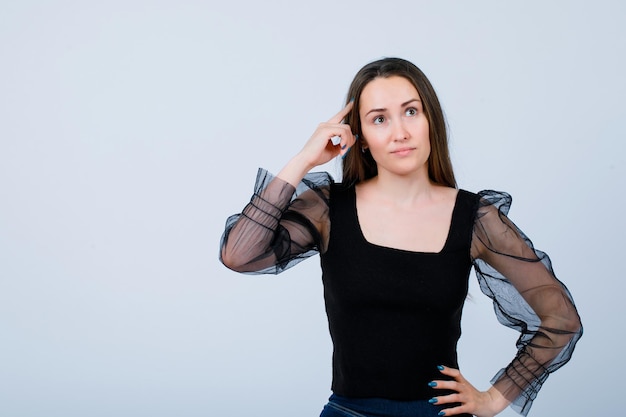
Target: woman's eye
[
  {"x": 411, "y": 111},
  {"x": 378, "y": 120}
]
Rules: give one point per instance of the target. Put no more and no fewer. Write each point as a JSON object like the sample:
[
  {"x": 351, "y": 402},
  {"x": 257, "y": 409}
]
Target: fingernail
[
  {"x": 442, "y": 413},
  {"x": 352, "y": 100},
  {"x": 432, "y": 384},
  {"x": 343, "y": 146},
  {"x": 432, "y": 400},
  {"x": 356, "y": 136},
  {"x": 440, "y": 367},
  {"x": 344, "y": 155}
]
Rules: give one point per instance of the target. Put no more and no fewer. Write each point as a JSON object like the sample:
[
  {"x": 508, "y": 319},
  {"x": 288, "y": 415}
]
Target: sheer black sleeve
[
  {"x": 527, "y": 297},
  {"x": 280, "y": 227}
]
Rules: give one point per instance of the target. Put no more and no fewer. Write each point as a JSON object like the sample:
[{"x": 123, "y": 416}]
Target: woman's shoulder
[
  {"x": 488, "y": 196},
  {"x": 495, "y": 200},
  {"x": 487, "y": 201},
  {"x": 444, "y": 192}
]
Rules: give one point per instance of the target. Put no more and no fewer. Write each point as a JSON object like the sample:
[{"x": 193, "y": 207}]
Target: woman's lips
[{"x": 402, "y": 151}]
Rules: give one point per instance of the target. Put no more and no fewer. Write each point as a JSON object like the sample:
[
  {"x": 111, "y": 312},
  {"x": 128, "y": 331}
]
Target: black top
[
  {"x": 384, "y": 318},
  {"x": 394, "y": 315}
]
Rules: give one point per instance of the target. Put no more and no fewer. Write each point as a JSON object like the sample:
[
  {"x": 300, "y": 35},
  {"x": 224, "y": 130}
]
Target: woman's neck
[{"x": 402, "y": 189}]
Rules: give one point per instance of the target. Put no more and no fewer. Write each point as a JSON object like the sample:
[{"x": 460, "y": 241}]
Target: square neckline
[{"x": 390, "y": 248}]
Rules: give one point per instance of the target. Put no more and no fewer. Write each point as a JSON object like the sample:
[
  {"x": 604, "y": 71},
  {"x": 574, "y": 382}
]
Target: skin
[
  {"x": 395, "y": 128},
  {"x": 400, "y": 207}
]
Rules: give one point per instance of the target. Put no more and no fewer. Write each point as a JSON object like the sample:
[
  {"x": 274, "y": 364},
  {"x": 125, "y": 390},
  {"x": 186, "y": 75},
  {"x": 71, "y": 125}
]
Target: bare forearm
[{"x": 295, "y": 170}]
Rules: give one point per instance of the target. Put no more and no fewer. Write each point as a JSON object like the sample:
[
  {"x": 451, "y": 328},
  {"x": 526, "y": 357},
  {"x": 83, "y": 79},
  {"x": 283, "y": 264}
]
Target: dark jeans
[{"x": 379, "y": 407}]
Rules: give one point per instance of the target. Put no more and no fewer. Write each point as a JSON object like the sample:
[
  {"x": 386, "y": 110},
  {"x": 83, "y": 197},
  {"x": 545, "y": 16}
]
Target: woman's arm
[
  {"x": 286, "y": 220},
  {"x": 527, "y": 297},
  {"x": 279, "y": 227}
]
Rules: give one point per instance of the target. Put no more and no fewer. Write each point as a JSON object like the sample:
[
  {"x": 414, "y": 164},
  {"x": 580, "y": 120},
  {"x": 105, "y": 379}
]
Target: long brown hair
[{"x": 359, "y": 166}]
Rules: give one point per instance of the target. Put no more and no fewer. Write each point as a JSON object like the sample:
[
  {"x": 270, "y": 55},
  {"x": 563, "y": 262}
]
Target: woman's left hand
[{"x": 472, "y": 401}]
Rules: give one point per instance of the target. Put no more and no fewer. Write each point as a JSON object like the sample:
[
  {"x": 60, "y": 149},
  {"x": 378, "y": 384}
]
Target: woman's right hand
[{"x": 320, "y": 148}]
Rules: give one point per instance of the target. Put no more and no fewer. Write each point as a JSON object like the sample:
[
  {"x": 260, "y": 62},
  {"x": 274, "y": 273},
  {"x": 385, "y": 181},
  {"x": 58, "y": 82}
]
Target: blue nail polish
[
  {"x": 432, "y": 384},
  {"x": 440, "y": 367},
  {"x": 356, "y": 137},
  {"x": 442, "y": 413},
  {"x": 352, "y": 100},
  {"x": 343, "y": 146},
  {"x": 432, "y": 400},
  {"x": 345, "y": 154}
]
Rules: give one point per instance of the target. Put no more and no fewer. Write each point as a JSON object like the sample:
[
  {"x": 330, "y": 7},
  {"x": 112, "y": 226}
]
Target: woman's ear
[{"x": 361, "y": 141}]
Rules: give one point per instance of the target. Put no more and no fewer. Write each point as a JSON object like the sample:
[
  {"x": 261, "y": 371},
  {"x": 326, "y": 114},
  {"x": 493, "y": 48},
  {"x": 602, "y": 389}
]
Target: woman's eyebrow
[
  {"x": 406, "y": 103},
  {"x": 411, "y": 101}
]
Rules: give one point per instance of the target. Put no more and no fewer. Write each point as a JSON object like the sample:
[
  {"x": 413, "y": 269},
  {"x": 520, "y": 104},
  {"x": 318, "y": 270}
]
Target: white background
[{"x": 130, "y": 130}]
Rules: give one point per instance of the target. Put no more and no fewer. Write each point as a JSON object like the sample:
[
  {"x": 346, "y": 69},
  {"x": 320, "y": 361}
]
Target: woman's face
[{"x": 394, "y": 126}]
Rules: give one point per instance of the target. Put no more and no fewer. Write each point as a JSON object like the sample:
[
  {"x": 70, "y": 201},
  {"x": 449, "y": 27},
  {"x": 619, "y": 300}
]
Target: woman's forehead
[{"x": 387, "y": 91}]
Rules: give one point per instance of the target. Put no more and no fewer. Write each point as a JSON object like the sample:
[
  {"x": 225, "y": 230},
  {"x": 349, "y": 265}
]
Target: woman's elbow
[
  {"x": 565, "y": 323},
  {"x": 559, "y": 313},
  {"x": 573, "y": 324},
  {"x": 232, "y": 260}
]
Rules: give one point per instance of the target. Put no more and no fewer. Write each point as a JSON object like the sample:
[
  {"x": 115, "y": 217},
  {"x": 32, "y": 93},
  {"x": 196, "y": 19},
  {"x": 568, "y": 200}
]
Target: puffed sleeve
[
  {"x": 280, "y": 226},
  {"x": 527, "y": 297}
]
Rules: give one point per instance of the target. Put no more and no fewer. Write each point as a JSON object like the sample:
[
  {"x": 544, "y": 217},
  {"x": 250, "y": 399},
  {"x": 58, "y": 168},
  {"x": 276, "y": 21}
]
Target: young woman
[{"x": 397, "y": 241}]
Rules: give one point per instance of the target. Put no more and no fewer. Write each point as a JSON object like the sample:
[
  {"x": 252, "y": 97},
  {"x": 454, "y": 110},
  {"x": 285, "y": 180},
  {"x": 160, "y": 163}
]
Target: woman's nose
[{"x": 399, "y": 131}]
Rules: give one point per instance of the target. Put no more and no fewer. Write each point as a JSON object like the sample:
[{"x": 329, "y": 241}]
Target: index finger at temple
[{"x": 342, "y": 114}]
